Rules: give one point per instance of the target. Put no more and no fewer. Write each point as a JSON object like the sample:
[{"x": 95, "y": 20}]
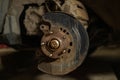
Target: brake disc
[
  {"x": 64, "y": 44},
  {"x": 64, "y": 41}
]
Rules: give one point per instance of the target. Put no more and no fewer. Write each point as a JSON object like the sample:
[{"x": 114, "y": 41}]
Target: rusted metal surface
[
  {"x": 54, "y": 44},
  {"x": 64, "y": 41},
  {"x": 55, "y": 41}
]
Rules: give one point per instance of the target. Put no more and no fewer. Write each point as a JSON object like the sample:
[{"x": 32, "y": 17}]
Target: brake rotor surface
[{"x": 65, "y": 43}]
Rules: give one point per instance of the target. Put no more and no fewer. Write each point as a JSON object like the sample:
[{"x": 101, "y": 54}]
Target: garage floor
[{"x": 103, "y": 64}]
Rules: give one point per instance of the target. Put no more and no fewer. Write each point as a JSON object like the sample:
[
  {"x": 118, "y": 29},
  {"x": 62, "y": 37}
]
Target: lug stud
[
  {"x": 42, "y": 43},
  {"x": 50, "y": 32},
  {"x": 64, "y": 51},
  {"x": 51, "y": 55}
]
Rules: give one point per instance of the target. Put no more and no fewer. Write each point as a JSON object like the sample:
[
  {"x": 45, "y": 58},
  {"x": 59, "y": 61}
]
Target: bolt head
[
  {"x": 51, "y": 32},
  {"x": 42, "y": 43},
  {"x": 51, "y": 55},
  {"x": 64, "y": 51}
]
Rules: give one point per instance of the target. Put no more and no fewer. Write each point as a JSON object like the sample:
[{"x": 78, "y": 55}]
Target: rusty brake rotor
[{"x": 65, "y": 41}]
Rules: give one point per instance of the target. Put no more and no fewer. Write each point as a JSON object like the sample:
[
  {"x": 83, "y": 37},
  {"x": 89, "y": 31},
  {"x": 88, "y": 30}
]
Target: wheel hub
[
  {"x": 54, "y": 44},
  {"x": 64, "y": 43},
  {"x": 55, "y": 41}
]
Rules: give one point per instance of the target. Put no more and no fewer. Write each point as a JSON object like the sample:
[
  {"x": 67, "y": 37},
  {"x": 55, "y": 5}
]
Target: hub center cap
[{"x": 54, "y": 44}]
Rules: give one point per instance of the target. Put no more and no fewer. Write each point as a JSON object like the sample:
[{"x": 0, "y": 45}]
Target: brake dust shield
[{"x": 64, "y": 44}]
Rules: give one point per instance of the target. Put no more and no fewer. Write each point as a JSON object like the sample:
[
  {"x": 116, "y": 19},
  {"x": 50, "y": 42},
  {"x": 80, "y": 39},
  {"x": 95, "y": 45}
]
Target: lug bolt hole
[
  {"x": 64, "y": 31},
  {"x": 61, "y": 29},
  {"x": 42, "y": 26},
  {"x": 69, "y": 50},
  {"x": 67, "y": 33},
  {"x": 70, "y": 43}
]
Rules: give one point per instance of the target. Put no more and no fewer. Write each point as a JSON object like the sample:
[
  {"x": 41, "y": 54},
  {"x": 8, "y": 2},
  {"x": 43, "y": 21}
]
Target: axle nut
[{"x": 54, "y": 44}]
